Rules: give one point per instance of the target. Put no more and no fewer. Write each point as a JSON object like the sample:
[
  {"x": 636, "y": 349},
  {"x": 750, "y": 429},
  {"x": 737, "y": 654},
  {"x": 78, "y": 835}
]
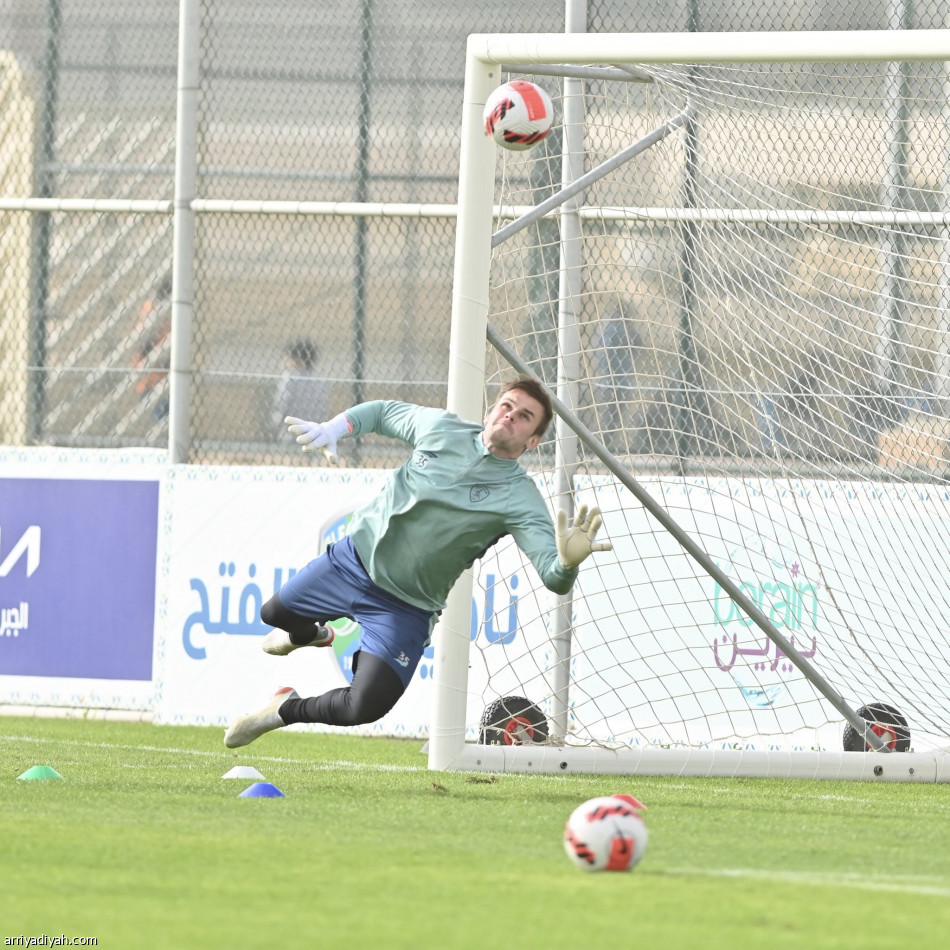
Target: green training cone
[{"x": 38, "y": 773}]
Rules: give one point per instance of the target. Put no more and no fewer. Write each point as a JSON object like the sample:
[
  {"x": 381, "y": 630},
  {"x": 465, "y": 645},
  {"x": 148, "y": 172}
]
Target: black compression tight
[{"x": 373, "y": 692}]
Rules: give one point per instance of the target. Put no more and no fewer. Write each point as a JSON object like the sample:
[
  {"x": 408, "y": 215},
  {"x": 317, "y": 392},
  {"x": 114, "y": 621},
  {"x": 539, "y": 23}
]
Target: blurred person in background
[
  {"x": 152, "y": 357},
  {"x": 299, "y": 388}
]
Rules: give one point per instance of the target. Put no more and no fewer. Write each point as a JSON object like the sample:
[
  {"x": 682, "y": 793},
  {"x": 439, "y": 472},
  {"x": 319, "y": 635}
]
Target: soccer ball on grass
[
  {"x": 606, "y": 834},
  {"x": 518, "y": 115}
]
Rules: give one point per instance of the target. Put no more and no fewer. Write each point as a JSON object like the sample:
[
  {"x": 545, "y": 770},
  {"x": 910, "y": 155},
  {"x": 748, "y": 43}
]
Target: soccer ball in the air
[
  {"x": 518, "y": 115},
  {"x": 606, "y": 834}
]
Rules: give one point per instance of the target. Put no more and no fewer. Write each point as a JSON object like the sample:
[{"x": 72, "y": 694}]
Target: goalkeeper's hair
[{"x": 534, "y": 388}]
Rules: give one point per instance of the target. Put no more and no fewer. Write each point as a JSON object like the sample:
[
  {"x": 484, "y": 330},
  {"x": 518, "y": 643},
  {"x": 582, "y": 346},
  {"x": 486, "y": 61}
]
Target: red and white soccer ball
[
  {"x": 606, "y": 834},
  {"x": 518, "y": 115}
]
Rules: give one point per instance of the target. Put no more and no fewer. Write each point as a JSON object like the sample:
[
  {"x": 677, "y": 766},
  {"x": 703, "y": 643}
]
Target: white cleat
[
  {"x": 253, "y": 725},
  {"x": 278, "y": 642}
]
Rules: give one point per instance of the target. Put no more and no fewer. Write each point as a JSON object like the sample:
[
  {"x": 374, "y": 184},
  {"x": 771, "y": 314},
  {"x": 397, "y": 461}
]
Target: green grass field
[{"x": 143, "y": 844}]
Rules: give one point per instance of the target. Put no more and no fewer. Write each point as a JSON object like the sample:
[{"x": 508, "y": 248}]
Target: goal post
[{"x": 763, "y": 218}]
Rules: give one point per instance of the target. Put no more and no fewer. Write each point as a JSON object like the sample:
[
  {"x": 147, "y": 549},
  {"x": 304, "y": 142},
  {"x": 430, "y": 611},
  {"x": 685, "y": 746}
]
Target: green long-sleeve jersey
[{"x": 445, "y": 506}]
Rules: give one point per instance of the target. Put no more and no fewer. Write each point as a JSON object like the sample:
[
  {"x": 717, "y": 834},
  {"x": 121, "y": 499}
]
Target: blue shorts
[{"x": 336, "y": 585}]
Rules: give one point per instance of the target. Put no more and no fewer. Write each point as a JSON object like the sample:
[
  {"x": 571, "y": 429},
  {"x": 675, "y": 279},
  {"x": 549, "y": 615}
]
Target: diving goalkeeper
[{"x": 461, "y": 490}]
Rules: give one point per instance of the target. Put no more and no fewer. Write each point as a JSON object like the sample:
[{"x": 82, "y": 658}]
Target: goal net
[{"x": 734, "y": 276}]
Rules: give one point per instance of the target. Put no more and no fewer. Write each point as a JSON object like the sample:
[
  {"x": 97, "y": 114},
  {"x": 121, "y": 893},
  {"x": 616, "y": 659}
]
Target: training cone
[
  {"x": 242, "y": 771},
  {"x": 38, "y": 773},
  {"x": 262, "y": 790}
]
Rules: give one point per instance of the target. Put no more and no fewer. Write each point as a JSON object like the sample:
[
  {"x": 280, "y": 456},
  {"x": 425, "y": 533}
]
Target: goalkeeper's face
[{"x": 512, "y": 423}]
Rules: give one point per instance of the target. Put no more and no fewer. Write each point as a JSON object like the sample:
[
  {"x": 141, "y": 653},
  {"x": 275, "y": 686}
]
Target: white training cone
[{"x": 242, "y": 771}]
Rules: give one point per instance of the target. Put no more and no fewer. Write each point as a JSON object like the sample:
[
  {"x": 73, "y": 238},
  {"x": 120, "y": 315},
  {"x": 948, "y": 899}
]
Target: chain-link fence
[{"x": 327, "y": 152}]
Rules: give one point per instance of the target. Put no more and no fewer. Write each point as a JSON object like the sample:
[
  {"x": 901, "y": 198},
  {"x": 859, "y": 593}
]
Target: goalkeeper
[{"x": 460, "y": 492}]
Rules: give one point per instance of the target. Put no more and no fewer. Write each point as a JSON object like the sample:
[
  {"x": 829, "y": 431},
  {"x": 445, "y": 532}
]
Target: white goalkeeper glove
[
  {"x": 319, "y": 435},
  {"x": 576, "y": 542}
]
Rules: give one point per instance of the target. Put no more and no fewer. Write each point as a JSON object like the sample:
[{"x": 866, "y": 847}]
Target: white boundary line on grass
[
  {"x": 223, "y": 754},
  {"x": 894, "y": 884}
]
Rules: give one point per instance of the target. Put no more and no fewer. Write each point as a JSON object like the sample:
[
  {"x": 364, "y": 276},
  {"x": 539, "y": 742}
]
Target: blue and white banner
[
  {"x": 231, "y": 539},
  {"x": 78, "y": 534}
]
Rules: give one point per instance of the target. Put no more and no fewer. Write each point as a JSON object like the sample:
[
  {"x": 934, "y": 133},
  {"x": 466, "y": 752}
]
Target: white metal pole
[
  {"x": 891, "y": 366},
  {"x": 466, "y": 385},
  {"x": 744, "y": 47},
  {"x": 942, "y": 369},
  {"x": 568, "y": 362},
  {"x": 183, "y": 262}
]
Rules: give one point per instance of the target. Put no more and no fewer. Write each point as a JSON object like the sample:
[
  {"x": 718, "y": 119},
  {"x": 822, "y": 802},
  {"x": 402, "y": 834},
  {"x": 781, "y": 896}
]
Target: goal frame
[{"x": 487, "y": 56}]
